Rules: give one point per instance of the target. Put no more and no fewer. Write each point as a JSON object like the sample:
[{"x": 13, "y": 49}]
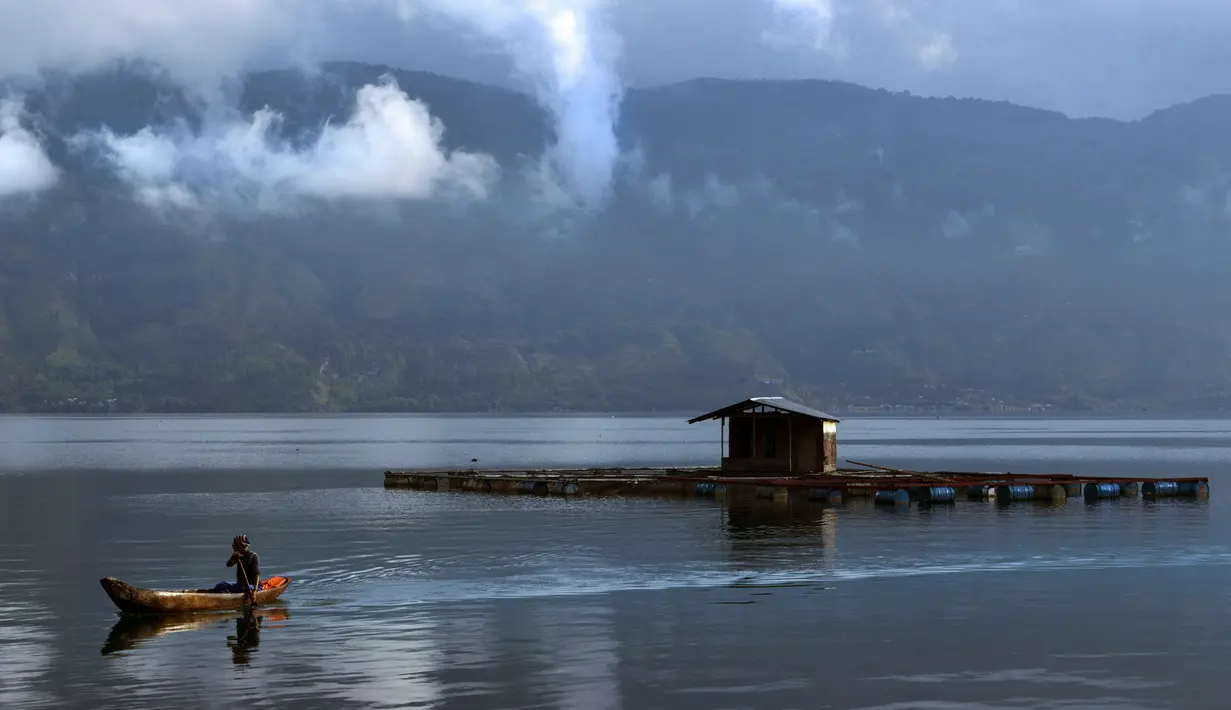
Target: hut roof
[{"x": 780, "y": 403}]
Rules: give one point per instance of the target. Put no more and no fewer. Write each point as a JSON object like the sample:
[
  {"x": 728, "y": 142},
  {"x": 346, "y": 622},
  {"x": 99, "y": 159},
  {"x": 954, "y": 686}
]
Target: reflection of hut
[{"x": 774, "y": 435}]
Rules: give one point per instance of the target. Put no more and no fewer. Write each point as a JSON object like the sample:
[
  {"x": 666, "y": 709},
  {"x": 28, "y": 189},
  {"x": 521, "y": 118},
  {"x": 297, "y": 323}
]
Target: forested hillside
[{"x": 844, "y": 245}]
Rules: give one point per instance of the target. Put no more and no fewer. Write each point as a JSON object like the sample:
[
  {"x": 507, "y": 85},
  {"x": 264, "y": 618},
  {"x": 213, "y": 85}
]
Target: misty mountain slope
[{"x": 842, "y": 244}]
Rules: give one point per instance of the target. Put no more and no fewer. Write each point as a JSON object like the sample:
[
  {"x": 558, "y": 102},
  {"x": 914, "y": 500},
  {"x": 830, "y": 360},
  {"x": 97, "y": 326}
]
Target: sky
[
  {"x": 1114, "y": 58},
  {"x": 1118, "y": 58}
]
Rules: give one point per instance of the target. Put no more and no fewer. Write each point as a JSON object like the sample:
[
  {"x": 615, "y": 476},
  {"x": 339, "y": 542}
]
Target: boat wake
[{"x": 388, "y": 584}]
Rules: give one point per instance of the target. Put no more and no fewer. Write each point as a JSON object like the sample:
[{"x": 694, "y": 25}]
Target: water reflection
[
  {"x": 797, "y": 519},
  {"x": 378, "y": 659},
  {"x": 580, "y": 655},
  {"x": 246, "y": 639},
  {"x": 777, "y": 536},
  {"x": 25, "y": 654},
  {"x": 132, "y": 631}
]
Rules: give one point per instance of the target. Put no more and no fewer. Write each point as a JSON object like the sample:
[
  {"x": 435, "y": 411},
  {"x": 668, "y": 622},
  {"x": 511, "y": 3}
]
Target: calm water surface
[{"x": 436, "y": 600}]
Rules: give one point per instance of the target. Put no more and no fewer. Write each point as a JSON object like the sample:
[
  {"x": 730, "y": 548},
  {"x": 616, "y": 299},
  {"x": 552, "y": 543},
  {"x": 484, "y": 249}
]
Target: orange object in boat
[{"x": 272, "y": 582}]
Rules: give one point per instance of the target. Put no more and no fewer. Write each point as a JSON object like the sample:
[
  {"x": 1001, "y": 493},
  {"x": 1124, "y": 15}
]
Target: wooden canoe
[{"x": 135, "y": 600}]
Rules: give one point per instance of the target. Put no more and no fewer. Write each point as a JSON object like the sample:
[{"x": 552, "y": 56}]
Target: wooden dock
[
  {"x": 881, "y": 484},
  {"x": 567, "y": 482}
]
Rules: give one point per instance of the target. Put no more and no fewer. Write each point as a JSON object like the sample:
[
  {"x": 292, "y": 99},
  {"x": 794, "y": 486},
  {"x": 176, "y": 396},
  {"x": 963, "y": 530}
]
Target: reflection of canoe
[
  {"x": 132, "y": 630},
  {"x": 135, "y": 600},
  {"x": 129, "y": 630}
]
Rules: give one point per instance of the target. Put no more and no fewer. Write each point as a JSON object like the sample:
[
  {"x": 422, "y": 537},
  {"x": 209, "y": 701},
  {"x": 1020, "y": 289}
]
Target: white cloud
[
  {"x": 828, "y": 26},
  {"x": 24, "y": 165},
  {"x": 566, "y": 49},
  {"x": 390, "y": 148},
  {"x": 937, "y": 52},
  {"x": 198, "y": 40},
  {"x": 563, "y": 46},
  {"x": 808, "y": 22}
]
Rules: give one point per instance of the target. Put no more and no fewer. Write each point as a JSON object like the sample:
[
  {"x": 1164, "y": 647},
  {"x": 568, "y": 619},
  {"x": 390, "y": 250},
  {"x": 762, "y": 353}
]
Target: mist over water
[{"x": 412, "y": 599}]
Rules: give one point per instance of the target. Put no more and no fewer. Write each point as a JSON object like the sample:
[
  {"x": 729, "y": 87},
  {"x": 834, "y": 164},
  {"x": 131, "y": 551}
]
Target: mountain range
[{"x": 852, "y": 247}]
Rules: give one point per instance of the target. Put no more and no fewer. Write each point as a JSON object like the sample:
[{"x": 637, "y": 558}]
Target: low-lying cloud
[
  {"x": 568, "y": 53},
  {"x": 389, "y": 148},
  {"x": 561, "y": 46},
  {"x": 24, "y": 166},
  {"x": 571, "y": 54}
]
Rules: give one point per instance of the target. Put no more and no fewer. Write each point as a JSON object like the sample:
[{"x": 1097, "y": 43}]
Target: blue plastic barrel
[
  {"x": 1159, "y": 489},
  {"x": 1193, "y": 488},
  {"x": 1095, "y": 491},
  {"x": 572, "y": 488},
  {"x": 937, "y": 494},
  {"x": 705, "y": 488},
  {"x": 532, "y": 487},
  {"x": 898, "y": 496},
  {"x": 1017, "y": 492}
]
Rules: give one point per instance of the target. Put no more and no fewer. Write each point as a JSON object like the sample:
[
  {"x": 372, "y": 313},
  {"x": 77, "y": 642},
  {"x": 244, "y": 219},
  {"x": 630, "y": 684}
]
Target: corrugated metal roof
[{"x": 779, "y": 403}]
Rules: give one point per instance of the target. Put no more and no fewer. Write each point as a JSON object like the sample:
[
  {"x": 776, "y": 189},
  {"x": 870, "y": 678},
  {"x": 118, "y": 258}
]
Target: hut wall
[{"x": 829, "y": 447}]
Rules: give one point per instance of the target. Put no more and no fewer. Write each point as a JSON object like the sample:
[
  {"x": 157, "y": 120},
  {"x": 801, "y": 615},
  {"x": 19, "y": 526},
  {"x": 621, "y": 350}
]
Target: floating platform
[
  {"x": 566, "y": 482},
  {"x": 880, "y": 484}
]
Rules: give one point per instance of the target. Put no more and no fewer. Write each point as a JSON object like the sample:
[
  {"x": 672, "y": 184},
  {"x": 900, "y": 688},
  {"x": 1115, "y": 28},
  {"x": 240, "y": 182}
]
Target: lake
[{"x": 453, "y": 600}]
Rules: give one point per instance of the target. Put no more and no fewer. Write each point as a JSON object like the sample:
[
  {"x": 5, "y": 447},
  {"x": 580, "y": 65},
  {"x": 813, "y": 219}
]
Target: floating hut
[
  {"x": 774, "y": 436},
  {"x": 782, "y": 450}
]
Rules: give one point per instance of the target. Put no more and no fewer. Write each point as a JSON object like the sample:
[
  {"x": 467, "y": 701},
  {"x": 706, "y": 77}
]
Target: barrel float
[
  {"x": 536, "y": 487},
  {"x": 1007, "y": 493},
  {"x": 900, "y": 496},
  {"x": 1055, "y": 492},
  {"x": 937, "y": 494},
  {"x": 978, "y": 492},
  {"x": 1159, "y": 489},
  {"x": 564, "y": 488},
  {"x": 1199, "y": 489},
  {"x": 709, "y": 488},
  {"x": 825, "y": 495},
  {"x": 1129, "y": 488},
  {"x": 1095, "y": 491}
]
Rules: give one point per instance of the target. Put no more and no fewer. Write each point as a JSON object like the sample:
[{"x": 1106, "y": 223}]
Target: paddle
[{"x": 251, "y": 593}]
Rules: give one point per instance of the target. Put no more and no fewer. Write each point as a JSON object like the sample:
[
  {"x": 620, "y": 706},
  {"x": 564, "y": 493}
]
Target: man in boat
[{"x": 248, "y": 568}]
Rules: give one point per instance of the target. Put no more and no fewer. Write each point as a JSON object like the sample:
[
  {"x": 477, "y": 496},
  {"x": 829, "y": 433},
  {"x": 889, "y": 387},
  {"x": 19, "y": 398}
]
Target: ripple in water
[{"x": 25, "y": 651}]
